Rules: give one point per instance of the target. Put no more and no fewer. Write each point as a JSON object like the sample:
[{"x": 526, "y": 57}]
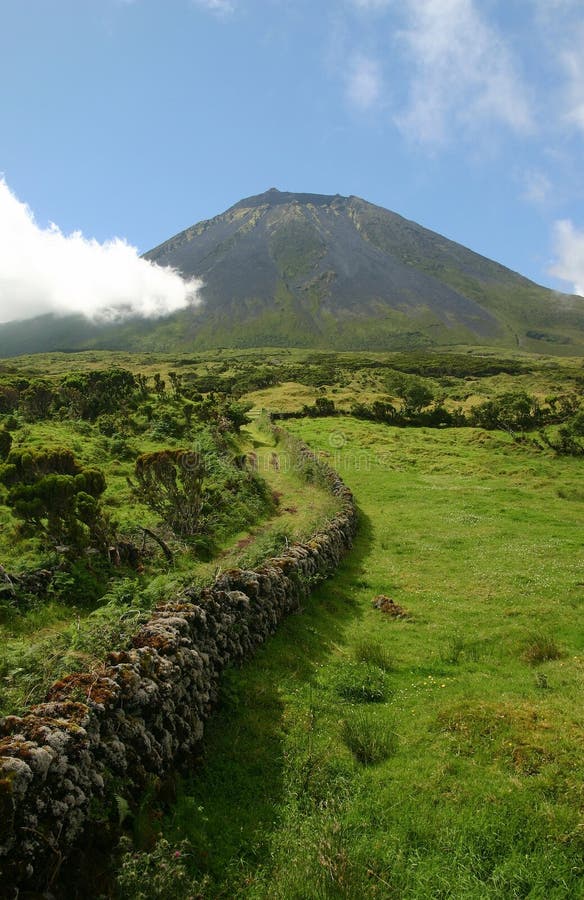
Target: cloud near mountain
[
  {"x": 569, "y": 246},
  {"x": 43, "y": 270}
]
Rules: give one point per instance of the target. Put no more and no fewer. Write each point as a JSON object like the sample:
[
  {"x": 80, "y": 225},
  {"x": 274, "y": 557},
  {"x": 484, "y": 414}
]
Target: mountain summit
[
  {"x": 326, "y": 271},
  {"x": 282, "y": 268}
]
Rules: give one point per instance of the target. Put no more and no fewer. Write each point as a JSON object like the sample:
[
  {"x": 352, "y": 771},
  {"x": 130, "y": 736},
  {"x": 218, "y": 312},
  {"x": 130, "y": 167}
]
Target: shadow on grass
[{"x": 229, "y": 806}]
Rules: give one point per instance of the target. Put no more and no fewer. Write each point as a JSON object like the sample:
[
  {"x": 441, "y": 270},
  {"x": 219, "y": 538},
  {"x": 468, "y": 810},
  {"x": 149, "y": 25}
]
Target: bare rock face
[{"x": 146, "y": 708}]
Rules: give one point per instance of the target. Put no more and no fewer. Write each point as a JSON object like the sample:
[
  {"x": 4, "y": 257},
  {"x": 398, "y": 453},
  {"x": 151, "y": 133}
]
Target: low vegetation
[
  {"x": 416, "y": 731},
  {"x": 370, "y": 739},
  {"x": 435, "y": 755},
  {"x": 117, "y": 489}
]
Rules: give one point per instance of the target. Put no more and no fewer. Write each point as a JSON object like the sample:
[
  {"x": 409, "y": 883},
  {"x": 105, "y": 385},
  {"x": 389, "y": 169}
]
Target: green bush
[
  {"x": 513, "y": 410},
  {"x": 167, "y": 426},
  {"x": 56, "y": 498},
  {"x": 87, "y": 395},
  {"x": 567, "y": 441},
  {"x": 170, "y": 482}
]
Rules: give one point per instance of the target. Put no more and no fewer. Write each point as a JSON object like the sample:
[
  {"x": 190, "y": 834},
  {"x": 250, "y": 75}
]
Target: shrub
[
  {"x": 81, "y": 582},
  {"x": 56, "y": 498},
  {"x": 568, "y": 440},
  {"x": 89, "y": 394},
  {"x": 167, "y": 426},
  {"x": 11, "y": 423},
  {"x": 170, "y": 482},
  {"x": 36, "y": 401},
  {"x": 8, "y": 398},
  {"x": 121, "y": 449},
  {"x": 513, "y": 410},
  {"x": 369, "y": 740},
  {"x": 323, "y": 406},
  {"x": 108, "y": 424},
  {"x": 236, "y": 414},
  {"x": 415, "y": 393}
]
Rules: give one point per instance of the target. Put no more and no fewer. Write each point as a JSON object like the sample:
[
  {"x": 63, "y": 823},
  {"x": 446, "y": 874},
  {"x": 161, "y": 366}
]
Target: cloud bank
[
  {"x": 43, "y": 270},
  {"x": 569, "y": 247}
]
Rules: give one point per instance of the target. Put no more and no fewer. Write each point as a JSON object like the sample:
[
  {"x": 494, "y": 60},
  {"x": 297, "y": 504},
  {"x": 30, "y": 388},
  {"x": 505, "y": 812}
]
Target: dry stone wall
[{"x": 116, "y": 728}]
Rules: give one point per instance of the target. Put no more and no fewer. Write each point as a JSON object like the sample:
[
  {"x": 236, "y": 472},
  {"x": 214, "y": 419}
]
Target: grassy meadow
[
  {"x": 430, "y": 748},
  {"x": 434, "y": 755},
  {"x": 438, "y": 754}
]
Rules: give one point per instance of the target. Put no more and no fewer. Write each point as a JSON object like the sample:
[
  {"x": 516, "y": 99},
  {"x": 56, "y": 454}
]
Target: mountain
[{"x": 313, "y": 270}]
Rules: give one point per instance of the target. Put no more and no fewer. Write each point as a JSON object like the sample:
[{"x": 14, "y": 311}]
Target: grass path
[
  {"x": 439, "y": 755},
  {"x": 301, "y": 506}
]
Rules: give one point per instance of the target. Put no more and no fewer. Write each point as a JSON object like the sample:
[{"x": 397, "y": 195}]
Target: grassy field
[
  {"x": 439, "y": 754},
  {"x": 432, "y": 754}
]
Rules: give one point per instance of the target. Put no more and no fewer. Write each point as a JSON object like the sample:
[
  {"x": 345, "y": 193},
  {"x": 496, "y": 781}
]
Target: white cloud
[
  {"x": 569, "y": 251},
  {"x": 43, "y": 270},
  {"x": 561, "y": 30},
  {"x": 463, "y": 74},
  {"x": 221, "y": 7},
  {"x": 364, "y": 82}
]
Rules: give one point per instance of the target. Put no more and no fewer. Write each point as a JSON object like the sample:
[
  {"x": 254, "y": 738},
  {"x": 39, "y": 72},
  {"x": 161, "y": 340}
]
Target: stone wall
[{"x": 112, "y": 730}]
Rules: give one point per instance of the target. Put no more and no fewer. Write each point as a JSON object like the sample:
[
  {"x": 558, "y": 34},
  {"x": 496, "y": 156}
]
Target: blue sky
[{"x": 137, "y": 118}]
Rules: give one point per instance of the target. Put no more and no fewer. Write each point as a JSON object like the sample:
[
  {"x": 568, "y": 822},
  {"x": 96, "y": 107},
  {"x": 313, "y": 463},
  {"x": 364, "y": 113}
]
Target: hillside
[{"x": 312, "y": 270}]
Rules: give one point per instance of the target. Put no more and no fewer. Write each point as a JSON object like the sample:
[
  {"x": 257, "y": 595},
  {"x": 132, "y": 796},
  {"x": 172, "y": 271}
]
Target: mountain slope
[
  {"x": 329, "y": 271},
  {"x": 312, "y": 269}
]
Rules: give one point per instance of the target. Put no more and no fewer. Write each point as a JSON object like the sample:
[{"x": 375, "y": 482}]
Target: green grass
[
  {"x": 478, "y": 791},
  {"x": 540, "y": 648},
  {"x": 359, "y": 755},
  {"x": 83, "y": 619},
  {"x": 360, "y": 682},
  {"x": 369, "y": 650},
  {"x": 369, "y": 739}
]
